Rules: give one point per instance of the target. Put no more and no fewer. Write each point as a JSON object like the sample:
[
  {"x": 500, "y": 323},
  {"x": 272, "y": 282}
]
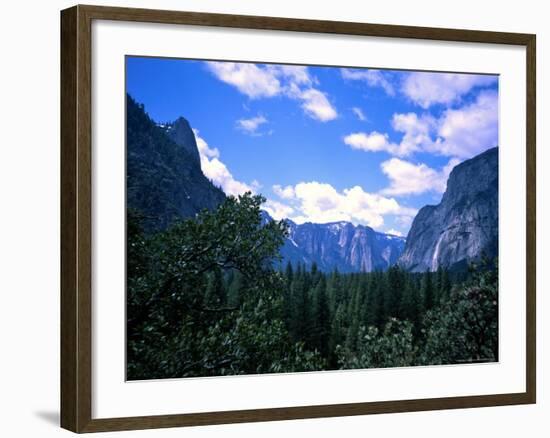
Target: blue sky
[{"x": 325, "y": 144}]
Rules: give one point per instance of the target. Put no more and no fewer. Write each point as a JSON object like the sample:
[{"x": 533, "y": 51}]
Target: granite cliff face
[
  {"x": 464, "y": 225},
  {"x": 342, "y": 246},
  {"x": 163, "y": 174},
  {"x": 180, "y": 131}
]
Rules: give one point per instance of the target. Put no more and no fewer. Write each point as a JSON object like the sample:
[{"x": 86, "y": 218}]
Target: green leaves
[
  {"x": 465, "y": 327},
  {"x": 204, "y": 300},
  {"x": 391, "y": 347}
]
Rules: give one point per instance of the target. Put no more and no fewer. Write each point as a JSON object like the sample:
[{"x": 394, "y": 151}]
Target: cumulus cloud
[
  {"x": 317, "y": 106},
  {"x": 359, "y": 113},
  {"x": 249, "y": 79},
  {"x": 470, "y": 130},
  {"x": 216, "y": 171},
  {"x": 416, "y": 136},
  {"x": 250, "y": 126},
  {"x": 321, "y": 203},
  {"x": 373, "y": 141},
  {"x": 462, "y": 132},
  {"x": 298, "y": 74},
  {"x": 416, "y": 132},
  {"x": 426, "y": 89},
  {"x": 294, "y": 82},
  {"x": 407, "y": 178},
  {"x": 205, "y": 150},
  {"x": 284, "y": 192},
  {"x": 277, "y": 210},
  {"x": 374, "y": 78}
]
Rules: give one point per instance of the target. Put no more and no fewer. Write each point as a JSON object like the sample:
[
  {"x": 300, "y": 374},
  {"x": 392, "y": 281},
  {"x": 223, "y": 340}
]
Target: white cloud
[
  {"x": 250, "y": 126},
  {"x": 248, "y": 78},
  {"x": 407, "y": 178},
  {"x": 321, "y": 203},
  {"x": 317, "y": 106},
  {"x": 463, "y": 132},
  {"x": 394, "y": 232},
  {"x": 416, "y": 132},
  {"x": 373, "y": 141},
  {"x": 413, "y": 138},
  {"x": 277, "y": 210},
  {"x": 470, "y": 130},
  {"x": 426, "y": 89},
  {"x": 284, "y": 192},
  {"x": 216, "y": 171},
  {"x": 204, "y": 149},
  {"x": 359, "y": 113},
  {"x": 294, "y": 82},
  {"x": 297, "y": 74},
  {"x": 374, "y": 78},
  {"x": 220, "y": 175}
]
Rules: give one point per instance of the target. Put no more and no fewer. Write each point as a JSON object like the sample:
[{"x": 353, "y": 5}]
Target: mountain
[
  {"x": 464, "y": 225},
  {"x": 342, "y": 246},
  {"x": 165, "y": 182},
  {"x": 181, "y": 133},
  {"x": 164, "y": 177}
]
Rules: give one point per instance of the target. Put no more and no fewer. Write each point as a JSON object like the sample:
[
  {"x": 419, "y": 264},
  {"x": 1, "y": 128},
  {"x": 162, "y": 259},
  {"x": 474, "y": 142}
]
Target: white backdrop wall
[{"x": 29, "y": 221}]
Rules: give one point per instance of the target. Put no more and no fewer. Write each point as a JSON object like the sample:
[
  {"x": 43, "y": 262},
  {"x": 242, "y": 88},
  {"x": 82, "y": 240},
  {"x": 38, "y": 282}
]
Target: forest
[{"x": 206, "y": 297}]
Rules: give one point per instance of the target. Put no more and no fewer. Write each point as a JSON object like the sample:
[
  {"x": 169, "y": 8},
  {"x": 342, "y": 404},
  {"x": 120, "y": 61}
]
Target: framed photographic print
[{"x": 268, "y": 218}]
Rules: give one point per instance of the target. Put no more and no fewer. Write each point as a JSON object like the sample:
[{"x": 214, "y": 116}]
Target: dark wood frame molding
[{"x": 76, "y": 238}]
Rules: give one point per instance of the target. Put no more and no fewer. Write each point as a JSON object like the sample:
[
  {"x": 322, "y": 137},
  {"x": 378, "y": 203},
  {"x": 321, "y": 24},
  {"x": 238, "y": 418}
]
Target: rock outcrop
[
  {"x": 163, "y": 174},
  {"x": 464, "y": 226}
]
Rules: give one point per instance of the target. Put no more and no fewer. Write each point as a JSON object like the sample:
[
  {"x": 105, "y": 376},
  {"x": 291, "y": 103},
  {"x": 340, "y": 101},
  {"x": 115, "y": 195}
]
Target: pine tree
[
  {"x": 392, "y": 298},
  {"x": 334, "y": 291},
  {"x": 353, "y": 316},
  {"x": 289, "y": 274},
  {"x": 380, "y": 315},
  {"x": 411, "y": 308},
  {"x": 336, "y": 334},
  {"x": 300, "y": 320},
  {"x": 322, "y": 318},
  {"x": 445, "y": 285},
  {"x": 427, "y": 290}
]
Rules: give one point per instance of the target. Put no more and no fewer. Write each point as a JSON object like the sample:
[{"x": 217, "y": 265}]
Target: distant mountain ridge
[
  {"x": 465, "y": 223},
  {"x": 342, "y": 246}
]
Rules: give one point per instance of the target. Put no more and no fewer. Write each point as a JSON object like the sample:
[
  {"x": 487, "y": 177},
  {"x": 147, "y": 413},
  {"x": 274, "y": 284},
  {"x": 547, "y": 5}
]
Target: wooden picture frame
[{"x": 76, "y": 217}]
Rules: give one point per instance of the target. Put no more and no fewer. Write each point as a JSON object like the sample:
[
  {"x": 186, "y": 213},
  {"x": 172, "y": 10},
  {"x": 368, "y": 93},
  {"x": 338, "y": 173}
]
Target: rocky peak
[
  {"x": 164, "y": 178},
  {"x": 464, "y": 225},
  {"x": 181, "y": 133}
]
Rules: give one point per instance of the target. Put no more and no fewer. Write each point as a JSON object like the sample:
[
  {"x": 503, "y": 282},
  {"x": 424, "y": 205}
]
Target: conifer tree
[
  {"x": 322, "y": 318},
  {"x": 427, "y": 290}
]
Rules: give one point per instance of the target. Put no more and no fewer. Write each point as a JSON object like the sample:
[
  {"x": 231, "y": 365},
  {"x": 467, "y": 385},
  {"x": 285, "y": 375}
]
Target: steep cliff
[
  {"x": 342, "y": 246},
  {"x": 464, "y": 225},
  {"x": 180, "y": 131},
  {"x": 163, "y": 174}
]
